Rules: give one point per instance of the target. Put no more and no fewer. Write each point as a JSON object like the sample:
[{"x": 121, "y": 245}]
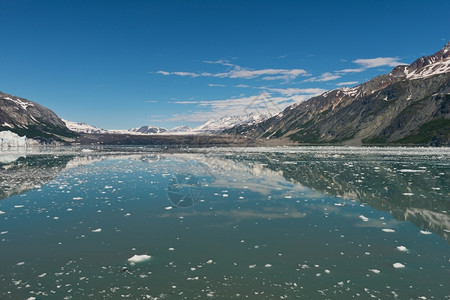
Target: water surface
[{"x": 267, "y": 223}]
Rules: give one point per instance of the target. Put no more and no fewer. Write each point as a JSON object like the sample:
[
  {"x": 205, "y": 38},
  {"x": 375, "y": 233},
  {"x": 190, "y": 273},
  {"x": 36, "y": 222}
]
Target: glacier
[{"x": 9, "y": 139}]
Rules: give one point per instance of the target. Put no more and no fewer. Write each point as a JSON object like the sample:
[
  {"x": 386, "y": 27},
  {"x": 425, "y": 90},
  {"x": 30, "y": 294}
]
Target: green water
[{"x": 268, "y": 223}]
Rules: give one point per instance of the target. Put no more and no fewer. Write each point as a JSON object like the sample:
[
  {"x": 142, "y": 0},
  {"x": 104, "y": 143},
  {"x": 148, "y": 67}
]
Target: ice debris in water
[
  {"x": 398, "y": 265},
  {"x": 138, "y": 258},
  {"x": 365, "y": 219},
  {"x": 425, "y": 232},
  {"x": 375, "y": 271},
  {"x": 402, "y": 248},
  {"x": 388, "y": 230},
  {"x": 97, "y": 230},
  {"x": 2, "y": 212}
]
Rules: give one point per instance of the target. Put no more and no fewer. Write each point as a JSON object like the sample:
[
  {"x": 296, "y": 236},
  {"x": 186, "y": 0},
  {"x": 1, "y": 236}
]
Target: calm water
[{"x": 270, "y": 223}]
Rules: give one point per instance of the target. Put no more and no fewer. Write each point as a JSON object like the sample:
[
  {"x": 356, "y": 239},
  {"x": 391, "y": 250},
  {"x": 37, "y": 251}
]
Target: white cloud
[
  {"x": 345, "y": 71},
  {"x": 243, "y": 73},
  {"x": 213, "y": 109},
  {"x": 378, "y": 62},
  {"x": 295, "y": 91},
  {"x": 324, "y": 77},
  {"x": 348, "y": 83},
  {"x": 215, "y": 84}
]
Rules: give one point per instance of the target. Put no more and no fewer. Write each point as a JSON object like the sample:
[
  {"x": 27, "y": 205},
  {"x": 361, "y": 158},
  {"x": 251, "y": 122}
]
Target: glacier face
[{"x": 9, "y": 139}]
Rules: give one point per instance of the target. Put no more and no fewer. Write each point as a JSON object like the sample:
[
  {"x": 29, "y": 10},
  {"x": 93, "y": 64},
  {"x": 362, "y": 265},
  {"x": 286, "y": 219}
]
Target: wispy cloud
[
  {"x": 367, "y": 63},
  {"x": 324, "y": 77},
  {"x": 263, "y": 102},
  {"x": 348, "y": 83},
  {"x": 378, "y": 62},
  {"x": 243, "y": 73},
  {"x": 216, "y": 85}
]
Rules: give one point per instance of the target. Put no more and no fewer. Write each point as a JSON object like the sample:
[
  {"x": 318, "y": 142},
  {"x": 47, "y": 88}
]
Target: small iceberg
[
  {"x": 138, "y": 258},
  {"x": 398, "y": 265}
]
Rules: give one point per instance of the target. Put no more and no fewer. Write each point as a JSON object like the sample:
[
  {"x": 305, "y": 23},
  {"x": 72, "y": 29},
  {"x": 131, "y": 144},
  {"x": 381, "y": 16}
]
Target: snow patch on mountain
[{"x": 21, "y": 103}]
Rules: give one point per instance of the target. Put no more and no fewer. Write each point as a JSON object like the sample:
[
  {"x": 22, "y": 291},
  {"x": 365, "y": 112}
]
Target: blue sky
[{"x": 124, "y": 64}]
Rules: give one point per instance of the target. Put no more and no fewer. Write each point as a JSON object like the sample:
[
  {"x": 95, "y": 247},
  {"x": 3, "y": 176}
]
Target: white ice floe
[
  {"x": 252, "y": 266},
  {"x": 138, "y": 258},
  {"x": 268, "y": 265},
  {"x": 374, "y": 271},
  {"x": 97, "y": 230},
  {"x": 398, "y": 265},
  {"x": 408, "y": 194},
  {"x": 365, "y": 219},
  {"x": 425, "y": 232},
  {"x": 77, "y": 198},
  {"x": 402, "y": 248},
  {"x": 42, "y": 275},
  {"x": 2, "y": 212},
  {"x": 388, "y": 230},
  {"x": 210, "y": 261},
  {"x": 168, "y": 207}
]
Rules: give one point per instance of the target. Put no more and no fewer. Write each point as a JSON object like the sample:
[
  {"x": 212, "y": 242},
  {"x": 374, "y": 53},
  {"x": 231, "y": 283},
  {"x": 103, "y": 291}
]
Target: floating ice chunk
[
  {"x": 4, "y": 232},
  {"x": 77, "y": 198},
  {"x": 225, "y": 195},
  {"x": 365, "y": 219},
  {"x": 97, "y": 230},
  {"x": 171, "y": 249},
  {"x": 398, "y": 265},
  {"x": 408, "y": 194},
  {"x": 168, "y": 207},
  {"x": 388, "y": 230},
  {"x": 31, "y": 298},
  {"x": 268, "y": 265},
  {"x": 425, "y": 232},
  {"x": 138, "y": 258},
  {"x": 20, "y": 263},
  {"x": 402, "y": 248},
  {"x": 327, "y": 271},
  {"x": 252, "y": 266},
  {"x": 127, "y": 214},
  {"x": 210, "y": 261},
  {"x": 55, "y": 218},
  {"x": 18, "y": 206},
  {"x": 411, "y": 171},
  {"x": 375, "y": 271},
  {"x": 69, "y": 209},
  {"x": 42, "y": 275},
  {"x": 2, "y": 212}
]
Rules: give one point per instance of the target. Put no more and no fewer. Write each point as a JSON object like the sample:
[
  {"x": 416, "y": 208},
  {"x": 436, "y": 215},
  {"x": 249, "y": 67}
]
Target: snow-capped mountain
[
  {"x": 426, "y": 66},
  {"x": 83, "y": 127},
  {"x": 226, "y": 122},
  {"x": 181, "y": 129},
  {"x": 149, "y": 130}
]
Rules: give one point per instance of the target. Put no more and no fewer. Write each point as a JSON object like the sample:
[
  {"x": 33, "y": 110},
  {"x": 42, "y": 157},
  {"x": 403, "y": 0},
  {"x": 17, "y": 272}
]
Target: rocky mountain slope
[
  {"x": 27, "y": 118},
  {"x": 410, "y": 105}
]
